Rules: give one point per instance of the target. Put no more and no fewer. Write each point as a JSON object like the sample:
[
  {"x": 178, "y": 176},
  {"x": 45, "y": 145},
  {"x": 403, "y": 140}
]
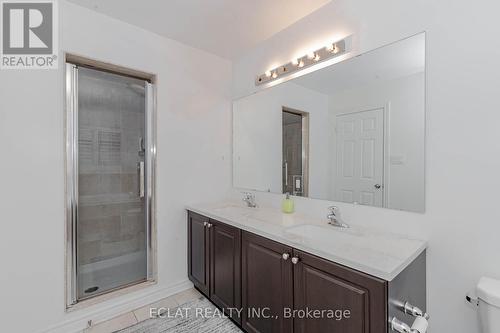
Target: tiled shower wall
[{"x": 111, "y": 122}]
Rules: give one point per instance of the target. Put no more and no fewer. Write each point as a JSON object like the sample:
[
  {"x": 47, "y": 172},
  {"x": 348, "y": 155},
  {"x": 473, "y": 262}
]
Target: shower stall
[{"x": 110, "y": 180}]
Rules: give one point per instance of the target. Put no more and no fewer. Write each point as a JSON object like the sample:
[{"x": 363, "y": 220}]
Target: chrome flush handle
[
  {"x": 399, "y": 326},
  {"x": 334, "y": 210},
  {"x": 286, "y": 173}
]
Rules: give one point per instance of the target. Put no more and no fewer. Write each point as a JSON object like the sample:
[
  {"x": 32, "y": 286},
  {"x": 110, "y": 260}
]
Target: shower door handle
[
  {"x": 286, "y": 173},
  {"x": 141, "y": 179}
]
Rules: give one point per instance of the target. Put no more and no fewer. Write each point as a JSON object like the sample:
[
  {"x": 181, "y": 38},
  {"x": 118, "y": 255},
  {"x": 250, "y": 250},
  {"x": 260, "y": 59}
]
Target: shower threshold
[{"x": 111, "y": 274}]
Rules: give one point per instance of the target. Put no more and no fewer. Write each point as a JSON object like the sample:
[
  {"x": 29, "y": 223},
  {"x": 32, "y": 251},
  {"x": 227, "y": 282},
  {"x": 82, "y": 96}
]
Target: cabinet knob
[
  {"x": 285, "y": 256},
  {"x": 295, "y": 260},
  {"x": 209, "y": 225},
  {"x": 205, "y": 223}
]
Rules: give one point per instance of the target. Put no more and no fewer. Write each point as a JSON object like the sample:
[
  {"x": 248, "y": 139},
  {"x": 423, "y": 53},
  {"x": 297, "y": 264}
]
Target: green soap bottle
[{"x": 287, "y": 206}]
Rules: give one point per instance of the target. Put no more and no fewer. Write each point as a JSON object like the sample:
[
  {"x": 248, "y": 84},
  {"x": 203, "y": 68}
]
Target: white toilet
[{"x": 488, "y": 296}]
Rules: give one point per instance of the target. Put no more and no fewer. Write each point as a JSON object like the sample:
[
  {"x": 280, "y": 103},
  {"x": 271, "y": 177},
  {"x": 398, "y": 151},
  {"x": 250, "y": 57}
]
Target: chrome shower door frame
[{"x": 71, "y": 175}]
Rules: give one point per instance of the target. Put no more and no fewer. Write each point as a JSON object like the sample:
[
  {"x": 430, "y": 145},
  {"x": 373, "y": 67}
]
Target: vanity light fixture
[{"x": 311, "y": 58}]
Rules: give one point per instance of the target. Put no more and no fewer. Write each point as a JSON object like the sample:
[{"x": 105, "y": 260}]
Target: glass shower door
[
  {"x": 294, "y": 152},
  {"x": 111, "y": 222}
]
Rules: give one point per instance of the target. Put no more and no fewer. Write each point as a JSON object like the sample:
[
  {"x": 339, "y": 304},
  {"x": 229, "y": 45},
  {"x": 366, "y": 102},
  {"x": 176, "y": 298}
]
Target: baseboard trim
[{"x": 104, "y": 313}]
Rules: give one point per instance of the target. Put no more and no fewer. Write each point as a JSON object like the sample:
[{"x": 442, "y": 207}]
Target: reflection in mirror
[
  {"x": 295, "y": 132},
  {"x": 350, "y": 132}
]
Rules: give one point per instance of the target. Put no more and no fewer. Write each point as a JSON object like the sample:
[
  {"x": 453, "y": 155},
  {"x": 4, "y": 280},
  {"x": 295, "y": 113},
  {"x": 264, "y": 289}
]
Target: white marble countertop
[{"x": 369, "y": 250}]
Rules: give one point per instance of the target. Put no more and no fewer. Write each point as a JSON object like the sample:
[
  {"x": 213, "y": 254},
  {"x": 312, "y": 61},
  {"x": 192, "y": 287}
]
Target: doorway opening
[
  {"x": 295, "y": 159},
  {"x": 110, "y": 177}
]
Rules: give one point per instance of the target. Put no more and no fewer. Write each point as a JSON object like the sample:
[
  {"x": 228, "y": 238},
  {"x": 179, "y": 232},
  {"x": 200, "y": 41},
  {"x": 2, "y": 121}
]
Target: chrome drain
[{"x": 91, "y": 290}]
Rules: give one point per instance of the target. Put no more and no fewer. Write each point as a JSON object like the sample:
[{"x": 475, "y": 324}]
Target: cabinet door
[
  {"x": 198, "y": 254},
  {"x": 322, "y": 285},
  {"x": 267, "y": 287},
  {"x": 225, "y": 267}
]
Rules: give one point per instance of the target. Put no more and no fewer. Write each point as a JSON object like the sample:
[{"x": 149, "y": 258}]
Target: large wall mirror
[{"x": 351, "y": 132}]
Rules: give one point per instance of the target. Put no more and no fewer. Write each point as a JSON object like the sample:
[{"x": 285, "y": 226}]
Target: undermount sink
[
  {"x": 352, "y": 238},
  {"x": 362, "y": 247},
  {"x": 233, "y": 210},
  {"x": 322, "y": 236},
  {"x": 322, "y": 233}
]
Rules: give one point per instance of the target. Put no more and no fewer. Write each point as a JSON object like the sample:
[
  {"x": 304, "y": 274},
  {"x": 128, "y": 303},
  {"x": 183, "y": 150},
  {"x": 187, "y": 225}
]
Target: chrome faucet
[
  {"x": 249, "y": 198},
  {"x": 334, "y": 218}
]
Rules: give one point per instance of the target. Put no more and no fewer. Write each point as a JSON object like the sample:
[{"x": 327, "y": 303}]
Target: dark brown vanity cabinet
[
  {"x": 284, "y": 290},
  {"x": 306, "y": 294},
  {"x": 214, "y": 254}
]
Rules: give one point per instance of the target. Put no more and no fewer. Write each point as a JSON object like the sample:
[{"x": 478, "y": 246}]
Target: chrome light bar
[{"x": 330, "y": 51}]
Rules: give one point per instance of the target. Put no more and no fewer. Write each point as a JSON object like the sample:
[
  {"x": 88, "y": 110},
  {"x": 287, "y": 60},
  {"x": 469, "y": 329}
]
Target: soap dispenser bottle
[{"x": 287, "y": 205}]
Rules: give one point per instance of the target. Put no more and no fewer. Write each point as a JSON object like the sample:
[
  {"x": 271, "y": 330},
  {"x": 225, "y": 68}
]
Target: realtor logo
[{"x": 28, "y": 35}]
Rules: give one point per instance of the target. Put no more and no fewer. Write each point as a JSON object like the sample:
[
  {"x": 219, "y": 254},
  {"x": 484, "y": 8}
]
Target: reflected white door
[{"x": 360, "y": 158}]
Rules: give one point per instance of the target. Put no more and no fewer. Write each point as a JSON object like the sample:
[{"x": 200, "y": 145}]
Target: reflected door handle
[
  {"x": 377, "y": 186},
  {"x": 141, "y": 179},
  {"x": 286, "y": 173}
]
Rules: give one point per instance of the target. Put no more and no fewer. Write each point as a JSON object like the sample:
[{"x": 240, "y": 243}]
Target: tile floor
[{"x": 141, "y": 314}]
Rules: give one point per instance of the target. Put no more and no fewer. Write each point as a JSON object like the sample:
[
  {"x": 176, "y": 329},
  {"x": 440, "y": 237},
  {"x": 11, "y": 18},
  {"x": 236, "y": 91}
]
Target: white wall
[
  {"x": 194, "y": 144},
  {"x": 257, "y": 121},
  {"x": 461, "y": 222},
  {"x": 403, "y": 100}
]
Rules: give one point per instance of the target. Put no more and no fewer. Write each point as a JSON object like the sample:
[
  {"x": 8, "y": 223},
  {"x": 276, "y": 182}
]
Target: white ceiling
[
  {"x": 227, "y": 28},
  {"x": 393, "y": 61}
]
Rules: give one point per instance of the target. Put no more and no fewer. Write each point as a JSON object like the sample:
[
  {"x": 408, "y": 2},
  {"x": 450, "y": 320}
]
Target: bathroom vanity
[{"x": 278, "y": 268}]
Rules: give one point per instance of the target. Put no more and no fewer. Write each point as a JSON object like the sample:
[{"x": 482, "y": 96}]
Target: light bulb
[
  {"x": 295, "y": 62},
  {"x": 274, "y": 75},
  {"x": 317, "y": 57},
  {"x": 333, "y": 48},
  {"x": 268, "y": 73},
  {"x": 301, "y": 63},
  {"x": 311, "y": 55}
]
